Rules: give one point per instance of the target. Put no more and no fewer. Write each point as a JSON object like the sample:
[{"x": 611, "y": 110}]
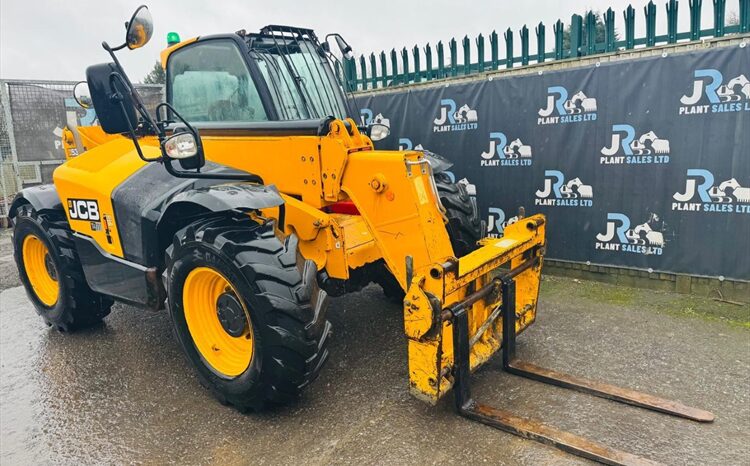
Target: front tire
[
  {"x": 51, "y": 272},
  {"x": 247, "y": 311}
]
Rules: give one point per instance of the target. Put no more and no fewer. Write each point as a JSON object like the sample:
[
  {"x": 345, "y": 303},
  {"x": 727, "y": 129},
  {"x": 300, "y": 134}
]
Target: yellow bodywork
[{"x": 399, "y": 217}]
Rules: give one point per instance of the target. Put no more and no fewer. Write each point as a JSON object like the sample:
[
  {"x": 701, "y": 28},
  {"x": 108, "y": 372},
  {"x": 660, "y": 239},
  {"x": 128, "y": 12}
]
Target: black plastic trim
[{"x": 111, "y": 275}]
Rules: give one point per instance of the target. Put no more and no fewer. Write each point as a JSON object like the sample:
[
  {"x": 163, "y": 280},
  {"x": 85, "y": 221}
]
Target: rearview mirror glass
[
  {"x": 82, "y": 95},
  {"x": 140, "y": 28}
]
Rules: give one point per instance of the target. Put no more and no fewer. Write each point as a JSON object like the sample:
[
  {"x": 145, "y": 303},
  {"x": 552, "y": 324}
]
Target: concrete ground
[{"x": 123, "y": 393}]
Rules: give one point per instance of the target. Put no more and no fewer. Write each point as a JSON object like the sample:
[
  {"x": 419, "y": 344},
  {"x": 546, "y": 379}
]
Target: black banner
[{"x": 640, "y": 163}]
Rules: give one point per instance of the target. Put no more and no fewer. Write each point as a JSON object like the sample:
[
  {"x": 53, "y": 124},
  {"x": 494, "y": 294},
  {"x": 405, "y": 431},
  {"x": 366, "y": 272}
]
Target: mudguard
[
  {"x": 41, "y": 198},
  {"x": 226, "y": 197}
]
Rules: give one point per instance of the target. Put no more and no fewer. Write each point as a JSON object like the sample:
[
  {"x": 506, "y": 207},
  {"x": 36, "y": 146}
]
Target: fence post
[
  {"x": 509, "y": 48},
  {"x": 575, "y": 35},
  {"x": 374, "y": 71},
  {"x": 559, "y": 30},
  {"x": 428, "y": 61},
  {"x": 650, "y": 12},
  {"x": 363, "y": 70},
  {"x": 466, "y": 43},
  {"x": 454, "y": 56},
  {"x": 629, "y": 14},
  {"x": 480, "y": 53},
  {"x": 672, "y": 21},
  {"x": 719, "y": 11},
  {"x": 744, "y": 15},
  {"x": 540, "y": 46},
  {"x": 415, "y": 54},
  {"x": 441, "y": 60},
  {"x": 495, "y": 46},
  {"x": 524, "y": 33},
  {"x": 590, "y": 34},
  {"x": 405, "y": 63},
  {"x": 695, "y": 19},
  {"x": 383, "y": 69},
  {"x": 394, "y": 66},
  {"x": 9, "y": 160},
  {"x": 609, "y": 30},
  {"x": 350, "y": 74}
]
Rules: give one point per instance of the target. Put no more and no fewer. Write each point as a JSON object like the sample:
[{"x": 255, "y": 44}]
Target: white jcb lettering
[{"x": 81, "y": 209}]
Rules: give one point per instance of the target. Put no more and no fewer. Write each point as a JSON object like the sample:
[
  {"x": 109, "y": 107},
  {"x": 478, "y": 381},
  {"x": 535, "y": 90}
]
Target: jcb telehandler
[{"x": 251, "y": 196}]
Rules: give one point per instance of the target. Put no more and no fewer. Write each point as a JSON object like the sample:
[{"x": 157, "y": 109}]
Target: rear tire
[
  {"x": 464, "y": 229},
  {"x": 52, "y": 274},
  {"x": 278, "y": 291}
]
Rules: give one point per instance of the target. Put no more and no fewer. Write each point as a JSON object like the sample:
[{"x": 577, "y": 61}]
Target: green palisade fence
[{"x": 418, "y": 64}]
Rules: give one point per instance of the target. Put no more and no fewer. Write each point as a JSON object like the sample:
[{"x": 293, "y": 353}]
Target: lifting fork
[{"x": 504, "y": 420}]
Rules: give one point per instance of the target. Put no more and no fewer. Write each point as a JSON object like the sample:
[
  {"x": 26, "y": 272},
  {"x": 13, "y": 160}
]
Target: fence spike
[
  {"x": 480, "y": 53},
  {"x": 428, "y": 62},
  {"x": 441, "y": 60},
  {"x": 509, "y": 48},
  {"x": 373, "y": 72},
  {"x": 695, "y": 19},
  {"x": 417, "y": 71},
  {"x": 466, "y": 43},
  {"x": 454, "y": 56},
  {"x": 719, "y": 14},
  {"x": 650, "y": 12},
  {"x": 494, "y": 47},
  {"x": 672, "y": 21},
  {"x": 540, "y": 42},
  {"x": 609, "y": 30},
  {"x": 575, "y": 35},
  {"x": 629, "y": 14},
  {"x": 405, "y": 65},
  {"x": 383, "y": 69},
  {"x": 559, "y": 30},
  {"x": 394, "y": 67},
  {"x": 524, "y": 33},
  {"x": 363, "y": 71}
]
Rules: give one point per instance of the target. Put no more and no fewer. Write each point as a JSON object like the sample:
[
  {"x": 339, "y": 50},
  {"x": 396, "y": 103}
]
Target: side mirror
[
  {"x": 111, "y": 98},
  {"x": 140, "y": 28},
  {"x": 82, "y": 95},
  {"x": 186, "y": 147},
  {"x": 379, "y": 131}
]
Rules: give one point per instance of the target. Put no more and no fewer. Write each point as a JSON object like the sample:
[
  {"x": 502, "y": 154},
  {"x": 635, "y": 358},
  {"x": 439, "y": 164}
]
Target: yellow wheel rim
[
  {"x": 203, "y": 297},
  {"x": 40, "y": 270}
]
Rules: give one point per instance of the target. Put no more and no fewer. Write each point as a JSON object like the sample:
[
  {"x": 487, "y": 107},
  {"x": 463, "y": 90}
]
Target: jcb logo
[{"x": 83, "y": 209}]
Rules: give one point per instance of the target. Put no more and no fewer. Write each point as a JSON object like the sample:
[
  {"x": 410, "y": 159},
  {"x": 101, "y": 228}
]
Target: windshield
[{"x": 302, "y": 86}]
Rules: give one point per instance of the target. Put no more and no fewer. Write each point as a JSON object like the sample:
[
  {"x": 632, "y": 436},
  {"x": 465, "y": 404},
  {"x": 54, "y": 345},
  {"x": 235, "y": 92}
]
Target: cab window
[{"x": 210, "y": 82}]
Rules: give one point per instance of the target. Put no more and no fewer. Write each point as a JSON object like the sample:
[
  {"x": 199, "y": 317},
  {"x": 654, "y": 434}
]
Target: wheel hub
[
  {"x": 50, "y": 266},
  {"x": 231, "y": 314}
]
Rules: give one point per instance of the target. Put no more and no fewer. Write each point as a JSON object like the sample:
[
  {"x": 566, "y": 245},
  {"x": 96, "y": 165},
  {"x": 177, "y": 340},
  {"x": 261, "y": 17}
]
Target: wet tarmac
[{"x": 123, "y": 393}]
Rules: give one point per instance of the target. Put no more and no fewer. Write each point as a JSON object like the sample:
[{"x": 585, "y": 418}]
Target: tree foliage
[
  {"x": 156, "y": 75},
  {"x": 601, "y": 31}
]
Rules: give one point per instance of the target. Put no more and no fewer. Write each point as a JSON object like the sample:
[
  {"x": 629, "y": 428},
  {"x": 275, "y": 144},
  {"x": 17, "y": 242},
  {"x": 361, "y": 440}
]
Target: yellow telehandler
[{"x": 250, "y": 197}]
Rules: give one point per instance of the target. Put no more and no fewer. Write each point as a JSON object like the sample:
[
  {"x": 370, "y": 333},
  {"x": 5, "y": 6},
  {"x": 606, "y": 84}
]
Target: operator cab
[{"x": 279, "y": 74}]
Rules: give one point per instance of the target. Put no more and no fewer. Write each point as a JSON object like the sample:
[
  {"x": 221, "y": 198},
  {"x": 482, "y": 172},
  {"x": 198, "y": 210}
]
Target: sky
[{"x": 57, "y": 40}]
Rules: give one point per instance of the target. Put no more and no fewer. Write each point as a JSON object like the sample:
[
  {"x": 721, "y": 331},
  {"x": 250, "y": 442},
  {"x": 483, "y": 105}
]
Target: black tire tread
[
  {"x": 295, "y": 332},
  {"x": 82, "y": 307}
]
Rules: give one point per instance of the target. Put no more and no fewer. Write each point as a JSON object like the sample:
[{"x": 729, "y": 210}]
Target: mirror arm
[
  {"x": 131, "y": 129},
  {"x": 125, "y": 80}
]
